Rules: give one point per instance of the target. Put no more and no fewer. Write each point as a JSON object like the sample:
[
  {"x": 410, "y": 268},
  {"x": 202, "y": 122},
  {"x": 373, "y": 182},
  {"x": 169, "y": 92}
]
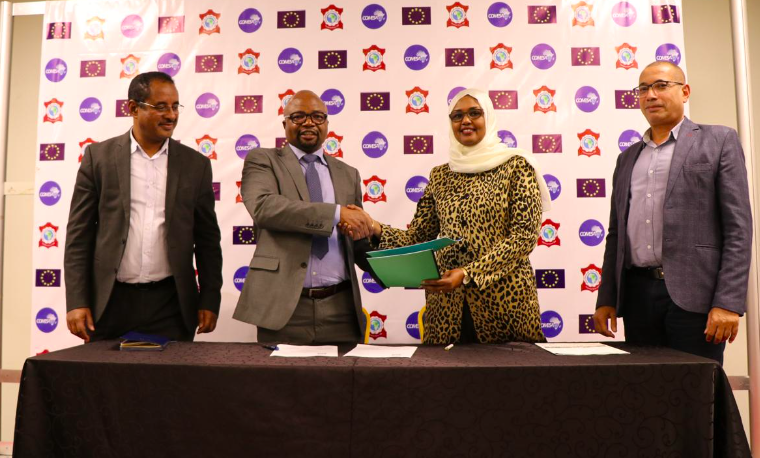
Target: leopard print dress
[{"x": 496, "y": 214}]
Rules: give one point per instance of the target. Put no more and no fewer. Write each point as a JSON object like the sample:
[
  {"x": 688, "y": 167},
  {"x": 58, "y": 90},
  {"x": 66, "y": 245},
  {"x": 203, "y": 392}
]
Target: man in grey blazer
[
  {"x": 302, "y": 286},
  {"x": 677, "y": 254},
  {"x": 143, "y": 207}
]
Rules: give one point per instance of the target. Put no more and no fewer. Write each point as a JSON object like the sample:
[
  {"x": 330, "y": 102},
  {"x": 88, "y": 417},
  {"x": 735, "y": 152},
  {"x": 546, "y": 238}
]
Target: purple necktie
[{"x": 319, "y": 245}]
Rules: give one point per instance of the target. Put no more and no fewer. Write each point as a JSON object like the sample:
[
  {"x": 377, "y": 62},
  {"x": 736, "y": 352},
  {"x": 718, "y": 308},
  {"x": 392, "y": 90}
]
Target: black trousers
[
  {"x": 149, "y": 309},
  {"x": 652, "y": 318}
]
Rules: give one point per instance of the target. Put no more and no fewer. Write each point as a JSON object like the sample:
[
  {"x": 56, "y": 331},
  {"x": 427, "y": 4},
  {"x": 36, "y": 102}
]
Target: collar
[
  {"x": 319, "y": 153},
  {"x": 135, "y": 147},
  {"x": 673, "y": 133}
]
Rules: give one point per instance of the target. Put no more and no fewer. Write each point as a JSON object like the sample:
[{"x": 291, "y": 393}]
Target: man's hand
[
  {"x": 722, "y": 326},
  {"x": 79, "y": 321},
  {"x": 206, "y": 321},
  {"x": 449, "y": 281},
  {"x": 355, "y": 222},
  {"x": 601, "y": 316}
]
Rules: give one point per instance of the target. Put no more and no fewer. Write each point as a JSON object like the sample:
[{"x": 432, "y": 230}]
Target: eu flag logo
[{"x": 550, "y": 278}]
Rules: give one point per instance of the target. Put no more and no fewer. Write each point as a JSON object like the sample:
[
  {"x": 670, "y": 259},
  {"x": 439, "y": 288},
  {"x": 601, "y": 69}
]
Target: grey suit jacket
[
  {"x": 275, "y": 194},
  {"x": 707, "y": 223},
  {"x": 98, "y": 226}
]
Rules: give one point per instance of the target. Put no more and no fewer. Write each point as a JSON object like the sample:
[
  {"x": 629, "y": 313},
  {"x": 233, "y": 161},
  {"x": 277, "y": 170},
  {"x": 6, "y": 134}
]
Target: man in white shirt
[{"x": 143, "y": 206}]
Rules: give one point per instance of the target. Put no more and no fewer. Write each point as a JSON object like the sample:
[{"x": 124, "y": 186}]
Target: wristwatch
[{"x": 467, "y": 278}]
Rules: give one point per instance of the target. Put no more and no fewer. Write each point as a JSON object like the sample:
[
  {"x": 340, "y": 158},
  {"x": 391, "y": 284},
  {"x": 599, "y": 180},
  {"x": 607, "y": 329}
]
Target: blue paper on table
[
  {"x": 135, "y": 341},
  {"x": 432, "y": 245}
]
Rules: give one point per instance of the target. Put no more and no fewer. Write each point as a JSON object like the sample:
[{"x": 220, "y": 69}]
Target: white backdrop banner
[{"x": 560, "y": 74}]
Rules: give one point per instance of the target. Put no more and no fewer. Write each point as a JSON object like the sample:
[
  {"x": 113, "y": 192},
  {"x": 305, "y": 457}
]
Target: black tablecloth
[{"x": 230, "y": 400}]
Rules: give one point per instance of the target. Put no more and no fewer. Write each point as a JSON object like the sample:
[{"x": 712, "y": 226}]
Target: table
[{"x": 517, "y": 400}]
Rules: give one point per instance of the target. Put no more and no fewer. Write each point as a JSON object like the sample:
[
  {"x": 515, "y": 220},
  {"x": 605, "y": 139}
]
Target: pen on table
[
  {"x": 270, "y": 347},
  {"x": 448, "y": 347}
]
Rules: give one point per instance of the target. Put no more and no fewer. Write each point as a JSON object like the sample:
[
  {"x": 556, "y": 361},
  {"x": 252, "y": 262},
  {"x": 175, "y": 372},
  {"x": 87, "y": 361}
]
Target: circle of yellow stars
[
  {"x": 410, "y": 16},
  {"x": 286, "y": 19},
  {"x": 415, "y": 141},
  {"x": 338, "y": 61},
  {"x": 625, "y": 94},
  {"x": 44, "y": 273},
  {"x": 124, "y": 107},
  {"x": 64, "y": 29},
  {"x": 590, "y": 182},
  {"x": 548, "y": 273},
  {"x": 249, "y": 233},
  {"x": 589, "y": 56},
  {"x": 671, "y": 14},
  {"x": 545, "y": 11},
  {"x": 170, "y": 24},
  {"x": 98, "y": 68},
  {"x": 214, "y": 62},
  {"x": 252, "y": 108},
  {"x": 457, "y": 60},
  {"x": 52, "y": 156},
  {"x": 498, "y": 99},
  {"x": 373, "y": 98},
  {"x": 542, "y": 141}
]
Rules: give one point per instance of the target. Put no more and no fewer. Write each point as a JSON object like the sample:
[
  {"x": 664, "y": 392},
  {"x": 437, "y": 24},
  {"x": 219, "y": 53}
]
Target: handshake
[{"x": 357, "y": 224}]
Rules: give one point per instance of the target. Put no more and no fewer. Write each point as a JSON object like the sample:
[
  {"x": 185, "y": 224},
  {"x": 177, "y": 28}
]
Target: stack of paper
[{"x": 407, "y": 266}]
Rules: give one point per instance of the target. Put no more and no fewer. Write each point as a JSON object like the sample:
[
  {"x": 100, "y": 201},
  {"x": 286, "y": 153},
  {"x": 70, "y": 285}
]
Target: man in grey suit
[
  {"x": 143, "y": 205},
  {"x": 677, "y": 255},
  {"x": 302, "y": 286}
]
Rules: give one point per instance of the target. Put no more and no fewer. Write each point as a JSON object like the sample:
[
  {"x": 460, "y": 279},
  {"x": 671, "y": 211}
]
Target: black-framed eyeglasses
[
  {"x": 658, "y": 86},
  {"x": 299, "y": 117},
  {"x": 164, "y": 108},
  {"x": 472, "y": 113}
]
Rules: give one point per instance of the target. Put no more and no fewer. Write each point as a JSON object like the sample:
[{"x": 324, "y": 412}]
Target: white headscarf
[{"x": 490, "y": 152}]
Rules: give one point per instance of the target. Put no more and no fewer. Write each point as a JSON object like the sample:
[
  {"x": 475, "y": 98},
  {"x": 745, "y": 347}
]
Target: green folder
[{"x": 407, "y": 266}]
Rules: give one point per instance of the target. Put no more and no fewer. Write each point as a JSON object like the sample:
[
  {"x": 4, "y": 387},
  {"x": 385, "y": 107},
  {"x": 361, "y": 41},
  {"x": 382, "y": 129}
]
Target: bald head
[
  {"x": 307, "y": 136},
  {"x": 304, "y": 97},
  {"x": 670, "y": 68}
]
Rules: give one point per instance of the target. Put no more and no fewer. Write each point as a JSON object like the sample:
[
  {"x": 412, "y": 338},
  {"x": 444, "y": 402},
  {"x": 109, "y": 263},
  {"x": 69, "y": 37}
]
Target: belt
[
  {"x": 325, "y": 291},
  {"x": 149, "y": 285},
  {"x": 655, "y": 273}
]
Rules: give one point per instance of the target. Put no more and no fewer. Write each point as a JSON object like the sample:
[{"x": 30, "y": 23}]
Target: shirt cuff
[{"x": 336, "y": 218}]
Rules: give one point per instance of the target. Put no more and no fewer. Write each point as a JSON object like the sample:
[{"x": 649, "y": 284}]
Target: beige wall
[{"x": 710, "y": 72}]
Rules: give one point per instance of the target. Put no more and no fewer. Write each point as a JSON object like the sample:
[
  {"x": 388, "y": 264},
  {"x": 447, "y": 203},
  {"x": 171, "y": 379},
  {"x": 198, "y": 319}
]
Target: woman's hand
[{"x": 449, "y": 281}]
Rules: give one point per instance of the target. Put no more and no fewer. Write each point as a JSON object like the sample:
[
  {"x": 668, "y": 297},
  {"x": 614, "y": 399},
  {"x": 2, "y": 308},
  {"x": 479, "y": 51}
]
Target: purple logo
[
  {"x": 499, "y": 14},
  {"x": 239, "y": 278},
  {"x": 543, "y": 56},
  {"x": 375, "y": 144},
  {"x": 50, "y": 193},
  {"x": 374, "y": 16},
  {"x": 169, "y": 63},
  {"x": 132, "y": 26},
  {"x": 334, "y": 101},
  {"x": 249, "y": 20},
  {"x": 551, "y": 323},
  {"x": 555, "y": 187},
  {"x": 591, "y": 232},
  {"x": 628, "y": 138},
  {"x": 413, "y": 325},
  {"x": 245, "y": 144},
  {"x": 587, "y": 99},
  {"x": 508, "y": 138},
  {"x": 453, "y": 93},
  {"x": 416, "y": 57},
  {"x": 370, "y": 284},
  {"x": 46, "y": 320},
  {"x": 207, "y": 105},
  {"x": 624, "y": 14},
  {"x": 90, "y": 109},
  {"x": 415, "y": 188},
  {"x": 290, "y": 60},
  {"x": 669, "y": 53},
  {"x": 56, "y": 70}
]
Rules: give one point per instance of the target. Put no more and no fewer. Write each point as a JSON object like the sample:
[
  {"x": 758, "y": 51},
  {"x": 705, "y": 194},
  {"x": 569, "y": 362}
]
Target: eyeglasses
[
  {"x": 299, "y": 117},
  {"x": 658, "y": 86},
  {"x": 163, "y": 108},
  {"x": 472, "y": 113}
]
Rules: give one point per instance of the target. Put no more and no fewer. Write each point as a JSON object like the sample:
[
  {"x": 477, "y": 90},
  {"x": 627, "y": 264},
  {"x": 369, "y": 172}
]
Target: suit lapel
[
  {"x": 290, "y": 161},
  {"x": 172, "y": 179},
  {"x": 340, "y": 184},
  {"x": 123, "y": 172},
  {"x": 686, "y": 137}
]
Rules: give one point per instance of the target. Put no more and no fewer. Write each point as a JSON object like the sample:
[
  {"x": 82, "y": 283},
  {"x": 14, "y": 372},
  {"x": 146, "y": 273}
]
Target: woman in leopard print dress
[{"x": 489, "y": 197}]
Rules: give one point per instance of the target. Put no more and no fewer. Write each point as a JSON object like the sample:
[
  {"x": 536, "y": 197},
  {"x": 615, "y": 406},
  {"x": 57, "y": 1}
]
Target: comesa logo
[
  {"x": 377, "y": 325},
  {"x": 239, "y": 279},
  {"x": 130, "y": 66},
  {"x": 543, "y": 56},
  {"x": 548, "y": 235},
  {"x": 589, "y": 143},
  {"x": 290, "y": 60},
  {"x": 207, "y": 146},
  {"x": 626, "y": 56},
  {"x": 544, "y": 100},
  {"x": 48, "y": 236},
  {"x": 374, "y": 16},
  {"x": 551, "y": 323},
  {"x": 332, "y": 144},
  {"x": 250, "y": 20},
  {"x": 50, "y": 193},
  {"x": 46, "y": 320},
  {"x": 413, "y": 325},
  {"x": 90, "y": 109},
  {"x": 370, "y": 284},
  {"x": 169, "y": 63},
  {"x": 56, "y": 70},
  {"x": 416, "y": 100},
  {"x": 668, "y": 52},
  {"x": 591, "y": 232},
  {"x": 245, "y": 144},
  {"x": 592, "y": 278},
  {"x": 415, "y": 188},
  {"x": 416, "y": 57},
  {"x": 624, "y": 14},
  {"x": 373, "y": 58},
  {"x": 132, "y": 26},
  {"x": 375, "y": 189},
  {"x": 627, "y": 139},
  {"x": 457, "y": 15},
  {"x": 554, "y": 185},
  {"x": 207, "y": 105},
  {"x": 508, "y": 138},
  {"x": 334, "y": 101},
  {"x": 209, "y": 23},
  {"x": 453, "y": 93},
  {"x": 331, "y": 18},
  {"x": 587, "y": 99},
  {"x": 375, "y": 144},
  {"x": 501, "y": 56},
  {"x": 499, "y": 14}
]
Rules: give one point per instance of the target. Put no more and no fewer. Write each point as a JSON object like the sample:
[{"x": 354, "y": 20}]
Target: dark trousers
[
  {"x": 652, "y": 318},
  {"x": 149, "y": 309}
]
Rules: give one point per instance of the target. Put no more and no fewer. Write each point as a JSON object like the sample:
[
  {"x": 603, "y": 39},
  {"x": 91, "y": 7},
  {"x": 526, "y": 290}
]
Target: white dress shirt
[{"x": 146, "y": 255}]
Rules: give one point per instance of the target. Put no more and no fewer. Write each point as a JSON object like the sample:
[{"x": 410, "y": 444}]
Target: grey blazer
[
  {"x": 98, "y": 226},
  {"x": 275, "y": 194},
  {"x": 707, "y": 223}
]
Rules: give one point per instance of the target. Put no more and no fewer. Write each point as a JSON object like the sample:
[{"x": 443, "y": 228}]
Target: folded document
[{"x": 133, "y": 341}]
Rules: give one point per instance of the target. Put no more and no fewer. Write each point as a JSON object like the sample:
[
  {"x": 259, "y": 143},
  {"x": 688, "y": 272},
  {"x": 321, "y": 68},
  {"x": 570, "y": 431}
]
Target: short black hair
[{"x": 139, "y": 88}]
